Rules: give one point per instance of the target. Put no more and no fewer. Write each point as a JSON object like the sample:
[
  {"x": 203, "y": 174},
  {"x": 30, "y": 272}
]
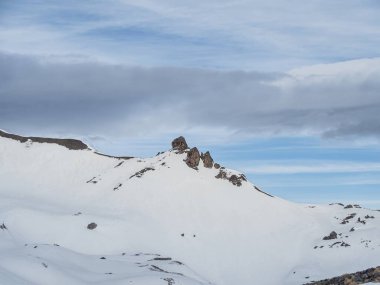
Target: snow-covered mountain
[{"x": 69, "y": 215}]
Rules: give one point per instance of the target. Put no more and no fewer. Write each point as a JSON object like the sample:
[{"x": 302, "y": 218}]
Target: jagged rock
[
  {"x": 360, "y": 277},
  {"x": 179, "y": 144},
  {"x": 217, "y": 165},
  {"x": 193, "y": 158},
  {"x": 140, "y": 173},
  {"x": 221, "y": 175},
  {"x": 208, "y": 162},
  {"x": 234, "y": 179},
  {"x": 332, "y": 235}
]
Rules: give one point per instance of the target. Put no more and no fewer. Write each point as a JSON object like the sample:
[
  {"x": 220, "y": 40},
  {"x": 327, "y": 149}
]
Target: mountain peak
[{"x": 179, "y": 143}]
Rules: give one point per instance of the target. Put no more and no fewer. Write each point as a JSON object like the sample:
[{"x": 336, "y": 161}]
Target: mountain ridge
[{"x": 228, "y": 234}]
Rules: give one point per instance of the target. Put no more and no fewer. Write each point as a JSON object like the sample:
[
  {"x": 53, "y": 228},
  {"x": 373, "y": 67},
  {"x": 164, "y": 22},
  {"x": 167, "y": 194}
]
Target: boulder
[
  {"x": 179, "y": 144},
  {"x": 92, "y": 226},
  {"x": 208, "y": 162},
  {"x": 332, "y": 235},
  {"x": 193, "y": 158},
  {"x": 217, "y": 165}
]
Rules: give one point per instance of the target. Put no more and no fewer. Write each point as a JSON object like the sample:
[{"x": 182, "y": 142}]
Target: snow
[{"x": 226, "y": 234}]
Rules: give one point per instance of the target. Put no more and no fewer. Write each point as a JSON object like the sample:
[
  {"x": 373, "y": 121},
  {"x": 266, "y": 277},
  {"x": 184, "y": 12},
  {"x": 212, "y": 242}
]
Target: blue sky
[{"x": 287, "y": 92}]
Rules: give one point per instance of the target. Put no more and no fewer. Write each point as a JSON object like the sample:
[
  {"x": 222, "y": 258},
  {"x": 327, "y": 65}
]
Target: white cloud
[
  {"x": 90, "y": 96},
  {"x": 249, "y": 35}
]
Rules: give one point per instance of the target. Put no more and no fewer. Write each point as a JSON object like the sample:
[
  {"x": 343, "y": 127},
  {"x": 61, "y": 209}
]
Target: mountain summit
[{"x": 69, "y": 215}]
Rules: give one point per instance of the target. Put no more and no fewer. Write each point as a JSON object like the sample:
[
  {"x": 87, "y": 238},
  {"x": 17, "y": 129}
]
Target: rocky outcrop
[
  {"x": 234, "y": 179},
  {"x": 193, "y": 158},
  {"x": 68, "y": 143},
  {"x": 179, "y": 144},
  {"x": 193, "y": 155},
  {"x": 140, "y": 173},
  {"x": 208, "y": 162},
  {"x": 371, "y": 275},
  {"x": 332, "y": 235}
]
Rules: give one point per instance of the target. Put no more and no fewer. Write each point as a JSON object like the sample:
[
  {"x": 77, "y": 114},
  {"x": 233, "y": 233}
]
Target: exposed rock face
[
  {"x": 365, "y": 276},
  {"x": 208, "y": 162},
  {"x": 332, "y": 235},
  {"x": 221, "y": 175},
  {"x": 179, "y": 144},
  {"x": 193, "y": 158},
  {"x": 234, "y": 179},
  {"x": 217, "y": 165},
  {"x": 68, "y": 143},
  {"x": 140, "y": 173}
]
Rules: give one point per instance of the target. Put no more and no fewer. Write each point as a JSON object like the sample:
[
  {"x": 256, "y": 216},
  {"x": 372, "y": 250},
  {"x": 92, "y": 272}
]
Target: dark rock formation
[
  {"x": 349, "y": 217},
  {"x": 332, "y": 235},
  {"x": 68, "y": 143},
  {"x": 193, "y": 158},
  {"x": 234, "y": 179},
  {"x": 208, "y": 162},
  {"x": 92, "y": 226},
  {"x": 217, "y": 165},
  {"x": 258, "y": 189},
  {"x": 371, "y": 275},
  {"x": 179, "y": 144},
  {"x": 140, "y": 173},
  {"x": 221, "y": 175}
]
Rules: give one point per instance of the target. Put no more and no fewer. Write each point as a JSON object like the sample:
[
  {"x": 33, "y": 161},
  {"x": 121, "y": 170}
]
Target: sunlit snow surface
[{"x": 226, "y": 234}]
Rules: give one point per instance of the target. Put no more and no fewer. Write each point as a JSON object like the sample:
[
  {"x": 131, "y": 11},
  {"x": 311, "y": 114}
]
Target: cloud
[
  {"x": 88, "y": 98},
  {"x": 249, "y": 35}
]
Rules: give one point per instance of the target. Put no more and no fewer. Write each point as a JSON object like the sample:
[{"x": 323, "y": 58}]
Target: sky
[{"x": 285, "y": 91}]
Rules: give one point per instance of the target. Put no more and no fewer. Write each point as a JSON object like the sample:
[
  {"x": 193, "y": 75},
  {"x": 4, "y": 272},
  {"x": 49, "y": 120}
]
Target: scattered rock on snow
[
  {"x": 361, "y": 221},
  {"x": 117, "y": 187},
  {"x": 349, "y": 217},
  {"x": 332, "y": 235},
  {"x": 369, "y": 217},
  {"x": 234, "y": 178},
  {"x": 141, "y": 172},
  {"x": 92, "y": 226}
]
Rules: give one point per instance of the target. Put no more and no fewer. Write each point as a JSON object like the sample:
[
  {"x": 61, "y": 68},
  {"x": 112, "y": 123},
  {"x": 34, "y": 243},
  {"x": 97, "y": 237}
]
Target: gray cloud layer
[{"x": 99, "y": 99}]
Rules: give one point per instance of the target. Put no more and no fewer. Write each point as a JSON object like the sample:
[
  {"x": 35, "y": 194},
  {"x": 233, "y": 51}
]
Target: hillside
[{"x": 73, "y": 216}]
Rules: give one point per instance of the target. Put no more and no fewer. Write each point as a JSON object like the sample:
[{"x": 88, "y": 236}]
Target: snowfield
[{"x": 158, "y": 221}]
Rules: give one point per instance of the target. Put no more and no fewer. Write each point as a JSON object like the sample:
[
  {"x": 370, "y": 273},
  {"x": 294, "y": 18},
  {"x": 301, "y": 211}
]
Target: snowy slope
[{"x": 225, "y": 233}]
